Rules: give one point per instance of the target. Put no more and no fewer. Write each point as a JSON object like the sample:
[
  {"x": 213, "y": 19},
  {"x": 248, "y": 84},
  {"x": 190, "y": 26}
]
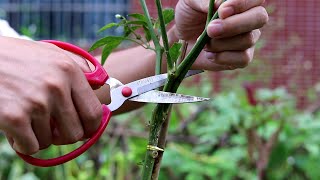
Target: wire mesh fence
[
  {"x": 287, "y": 54},
  {"x": 290, "y": 47},
  {"x": 77, "y": 21}
]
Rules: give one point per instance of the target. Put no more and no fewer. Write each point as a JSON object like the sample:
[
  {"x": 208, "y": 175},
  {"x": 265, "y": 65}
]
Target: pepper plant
[{"x": 155, "y": 31}]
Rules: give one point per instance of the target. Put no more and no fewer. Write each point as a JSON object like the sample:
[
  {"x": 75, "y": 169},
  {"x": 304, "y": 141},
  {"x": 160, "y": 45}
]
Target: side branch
[
  {"x": 154, "y": 37},
  {"x": 164, "y": 36}
]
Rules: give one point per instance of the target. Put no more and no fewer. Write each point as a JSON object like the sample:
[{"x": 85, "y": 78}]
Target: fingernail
[
  {"x": 211, "y": 55},
  {"x": 215, "y": 28},
  {"x": 227, "y": 12}
]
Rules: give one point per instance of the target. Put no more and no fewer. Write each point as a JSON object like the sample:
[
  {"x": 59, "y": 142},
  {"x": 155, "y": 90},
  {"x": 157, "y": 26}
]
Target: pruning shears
[{"x": 142, "y": 90}]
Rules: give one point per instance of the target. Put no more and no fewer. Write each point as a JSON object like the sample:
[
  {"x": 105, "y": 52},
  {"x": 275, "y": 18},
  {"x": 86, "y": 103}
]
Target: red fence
[
  {"x": 289, "y": 55},
  {"x": 292, "y": 38}
]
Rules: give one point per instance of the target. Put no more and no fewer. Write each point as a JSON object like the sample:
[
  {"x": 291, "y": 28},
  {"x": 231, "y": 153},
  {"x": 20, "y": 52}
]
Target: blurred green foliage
[{"x": 225, "y": 138}]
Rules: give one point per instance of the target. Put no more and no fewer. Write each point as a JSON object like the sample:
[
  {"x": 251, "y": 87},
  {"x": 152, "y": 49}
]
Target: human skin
[{"x": 40, "y": 82}]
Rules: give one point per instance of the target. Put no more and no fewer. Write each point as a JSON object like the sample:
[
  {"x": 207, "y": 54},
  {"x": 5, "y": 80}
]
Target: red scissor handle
[
  {"x": 77, "y": 152},
  {"x": 97, "y": 77}
]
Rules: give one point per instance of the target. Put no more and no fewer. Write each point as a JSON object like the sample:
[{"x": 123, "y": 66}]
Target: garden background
[{"x": 231, "y": 137}]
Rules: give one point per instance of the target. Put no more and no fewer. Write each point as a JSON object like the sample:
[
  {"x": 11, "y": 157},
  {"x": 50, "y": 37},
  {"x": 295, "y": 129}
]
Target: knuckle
[
  {"x": 250, "y": 39},
  {"x": 75, "y": 136},
  {"x": 65, "y": 64},
  {"x": 14, "y": 118},
  {"x": 219, "y": 58},
  {"x": 39, "y": 104},
  {"x": 95, "y": 114},
  {"x": 53, "y": 84},
  {"x": 238, "y": 6},
  {"x": 243, "y": 6},
  {"x": 246, "y": 58},
  {"x": 258, "y": 34},
  {"x": 94, "y": 119},
  {"x": 262, "y": 15}
]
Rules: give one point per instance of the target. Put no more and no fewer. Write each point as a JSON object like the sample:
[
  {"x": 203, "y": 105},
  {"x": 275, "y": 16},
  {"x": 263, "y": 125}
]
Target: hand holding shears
[{"x": 142, "y": 90}]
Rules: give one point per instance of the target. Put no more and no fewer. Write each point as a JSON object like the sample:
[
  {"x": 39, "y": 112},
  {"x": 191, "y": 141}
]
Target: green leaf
[
  {"x": 168, "y": 15},
  {"x": 147, "y": 33},
  {"x": 107, "y": 40},
  {"x": 138, "y": 16},
  {"x": 109, "y": 47},
  {"x": 127, "y": 31},
  {"x": 134, "y": 28},
  {"x": 142, "y": 20},
  {"x": 139, "y": 22},
  {"x": 175, "y": 51},
  {"x": 108, "y": 26}
]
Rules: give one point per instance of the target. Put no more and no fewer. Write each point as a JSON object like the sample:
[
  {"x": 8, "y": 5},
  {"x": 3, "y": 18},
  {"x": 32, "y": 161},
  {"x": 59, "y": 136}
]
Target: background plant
[{"x": 200, "y": 147}]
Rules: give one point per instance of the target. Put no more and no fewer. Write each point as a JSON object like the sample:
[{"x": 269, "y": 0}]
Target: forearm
[{"x": 130, "y": 65}]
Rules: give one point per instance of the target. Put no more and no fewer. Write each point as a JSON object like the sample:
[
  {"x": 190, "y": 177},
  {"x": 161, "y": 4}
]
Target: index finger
[{"x": 232, "y": 7}]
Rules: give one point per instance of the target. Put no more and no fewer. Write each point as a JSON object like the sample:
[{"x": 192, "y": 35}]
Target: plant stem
[
  {"x": 164, "y": 127},
  {"x": 210, "y": 12},
  {"x": 155, "y": 39},
  {"x": 155, "y": 127},
  {"x": 161, "y": 112},
  {"x": 184, "y": 49},
  {"x": 195, "y": 51},
  {"x": 173, "y": 85},
  {"x": 139, "y": 43},
  {"x": 164, "y": 36}
]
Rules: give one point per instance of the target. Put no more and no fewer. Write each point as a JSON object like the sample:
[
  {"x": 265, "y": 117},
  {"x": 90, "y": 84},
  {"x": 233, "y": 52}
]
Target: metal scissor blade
[
  {"x": 138, "y": 87},
  {"x": 155, "y": 96},
  {"x": 147, "y": 84}
]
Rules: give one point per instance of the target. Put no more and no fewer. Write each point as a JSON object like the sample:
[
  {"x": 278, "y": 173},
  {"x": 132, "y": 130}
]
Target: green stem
[
  {"x": 155, "y": 127},
  {"x": 161, "y": 112},
  {"x": 195, "y": 51},
  {"x": 174, "y": 83},
  {"x": 154, "y": 37},
  {"x": 210, "y": 11},
  {"x": 139, "y": 43},
  {"x": 164, "y": 36}
]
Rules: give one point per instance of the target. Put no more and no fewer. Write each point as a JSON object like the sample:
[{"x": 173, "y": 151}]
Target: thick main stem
[
  {"x": 155, "y": 127},
  {"x": 162, "y": 111}
]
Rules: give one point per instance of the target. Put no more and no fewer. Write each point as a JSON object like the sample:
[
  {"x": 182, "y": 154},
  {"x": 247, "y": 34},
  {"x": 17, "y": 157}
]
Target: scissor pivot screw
[{"x": 126, "y": 91}]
